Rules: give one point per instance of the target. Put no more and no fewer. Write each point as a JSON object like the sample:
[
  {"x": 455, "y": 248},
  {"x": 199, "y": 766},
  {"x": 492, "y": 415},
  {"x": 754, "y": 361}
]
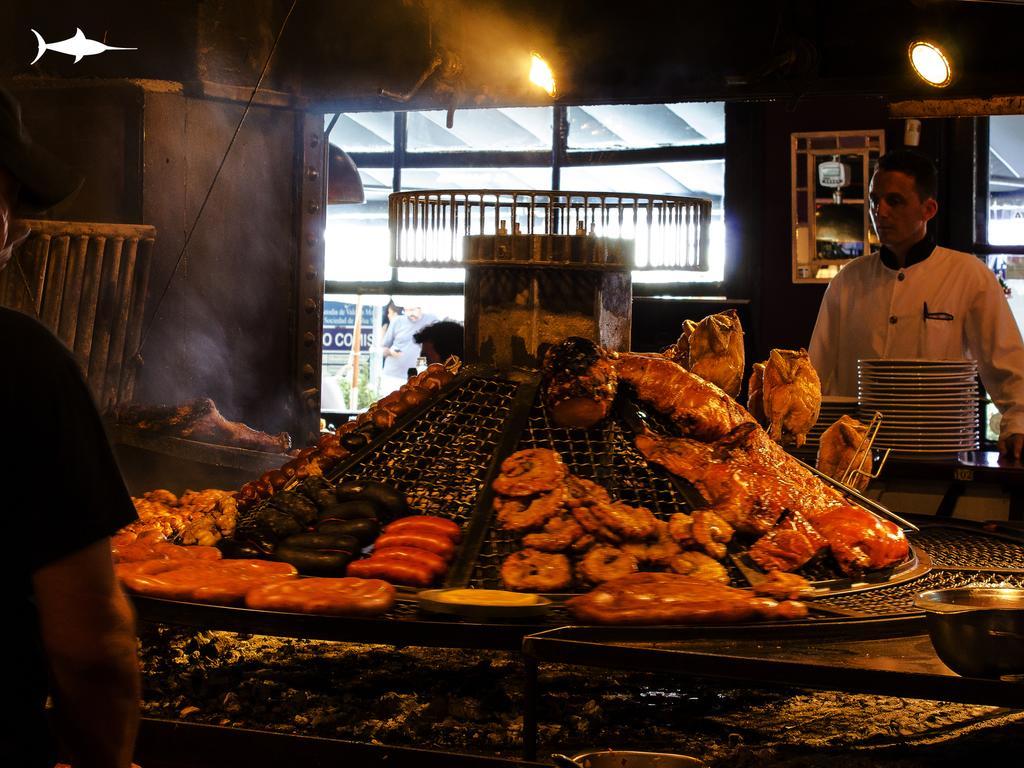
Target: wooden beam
[{"x": 996, "y": 105}]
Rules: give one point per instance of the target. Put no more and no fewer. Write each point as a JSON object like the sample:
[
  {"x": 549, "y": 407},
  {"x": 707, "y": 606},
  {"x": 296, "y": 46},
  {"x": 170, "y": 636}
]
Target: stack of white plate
[
  {"x": 832, "y": 407},
  {"x": 927, "y": 406}
]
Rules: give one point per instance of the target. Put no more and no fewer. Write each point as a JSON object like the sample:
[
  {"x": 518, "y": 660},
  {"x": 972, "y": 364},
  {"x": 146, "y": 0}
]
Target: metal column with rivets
[{"x": 310, "y": 278}]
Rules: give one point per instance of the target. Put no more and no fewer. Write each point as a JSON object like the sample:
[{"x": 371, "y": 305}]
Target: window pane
[
  {"x": 476, "y": 178},
  {"x": 352, "y": 382},
  {"x": 519, "y": 128},
  {"x": 636, "y": 126},
  {"x": 356, "y": 240},
  {"x": 705, "y": 178},
  {"x": 1006, "y": 180},
  {"x": 363, "y": 131}
]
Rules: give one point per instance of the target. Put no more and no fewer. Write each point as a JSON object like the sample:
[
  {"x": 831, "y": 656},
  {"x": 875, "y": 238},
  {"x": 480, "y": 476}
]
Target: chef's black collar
[{"x": 918, "y": 252}]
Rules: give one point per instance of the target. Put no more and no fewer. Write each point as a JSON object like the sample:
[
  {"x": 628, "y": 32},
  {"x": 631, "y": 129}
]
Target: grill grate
[
  {"x": 899, "y": 598},
  {"x": 604, "y": 454},
  {"x": 438, "y": 460},
  {"x": 952, "y": 547}
]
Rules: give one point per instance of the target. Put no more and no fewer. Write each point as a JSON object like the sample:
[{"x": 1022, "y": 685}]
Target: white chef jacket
[{"x": 872, "y": 311}]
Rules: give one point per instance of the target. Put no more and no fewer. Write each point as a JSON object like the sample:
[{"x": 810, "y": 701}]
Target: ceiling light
[
  {"x": 540, "y": 73},
  {"x": 930, "y": 63}
]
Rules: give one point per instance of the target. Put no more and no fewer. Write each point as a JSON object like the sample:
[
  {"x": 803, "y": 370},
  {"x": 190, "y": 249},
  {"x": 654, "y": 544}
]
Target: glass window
[
  {"x": 637, "y": 126},
  {"x": 476, "y": 178},
  {"x": 356, "y": 239},
  {"x": 704, "y": 178},
  {"x": 353, "y": 379},
  {"x": 521, "y": 128},
  {"x": 1006, "y": 180},
  {"x": 363, "y": 131}
]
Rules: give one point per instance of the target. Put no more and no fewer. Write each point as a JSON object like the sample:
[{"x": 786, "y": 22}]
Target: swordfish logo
[{"x": 78, "y": 46}]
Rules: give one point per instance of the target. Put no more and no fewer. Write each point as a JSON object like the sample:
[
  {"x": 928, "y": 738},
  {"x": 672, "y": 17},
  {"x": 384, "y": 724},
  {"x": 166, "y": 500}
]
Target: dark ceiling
[{"x": 342, "y": 53}]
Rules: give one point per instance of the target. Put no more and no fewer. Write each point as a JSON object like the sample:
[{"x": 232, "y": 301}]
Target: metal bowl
[
  {"x": 615, "y": 758},
  {"x": 977, "y": 631}
]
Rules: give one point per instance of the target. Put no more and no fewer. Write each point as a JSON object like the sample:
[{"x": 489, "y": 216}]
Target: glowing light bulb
[
  {"x": 930, "y": 63},
  {"x": 540, "y": 73}
]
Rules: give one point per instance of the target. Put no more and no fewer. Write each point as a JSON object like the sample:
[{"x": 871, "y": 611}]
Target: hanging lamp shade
[{"x": 343, "y": 182}]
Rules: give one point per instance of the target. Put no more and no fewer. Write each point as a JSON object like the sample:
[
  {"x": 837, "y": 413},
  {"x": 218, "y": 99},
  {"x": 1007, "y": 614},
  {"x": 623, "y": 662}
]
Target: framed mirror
[{"x": 830, "y": 172}]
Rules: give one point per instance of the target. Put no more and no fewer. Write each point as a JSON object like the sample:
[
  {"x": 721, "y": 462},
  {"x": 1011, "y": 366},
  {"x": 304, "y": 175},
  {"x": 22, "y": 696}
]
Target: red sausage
[
  {"x": 439, "y": 545},
  {"x": 438, "y": 524},
  {"x": 394, "y": 571},
  {"x": 412, "y": 554}
]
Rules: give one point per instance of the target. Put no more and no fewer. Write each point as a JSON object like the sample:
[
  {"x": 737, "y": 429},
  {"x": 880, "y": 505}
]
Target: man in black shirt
[{"x": 63, "y": 498}]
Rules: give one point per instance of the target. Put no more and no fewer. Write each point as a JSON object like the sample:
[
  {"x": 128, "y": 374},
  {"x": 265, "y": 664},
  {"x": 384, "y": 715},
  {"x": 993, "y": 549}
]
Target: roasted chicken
[
  {"x": 716, "y": 351},
  {"x": 755, "y": 393},
  {"x": 791, "y": 395},
  {"x": 680, "y": 351},
  {"x": 843, "y": 449}
]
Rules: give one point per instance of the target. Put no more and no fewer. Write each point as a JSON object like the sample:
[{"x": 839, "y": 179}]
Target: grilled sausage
[
  {"x": 436, "y": 563},
  {"x": 322, "y": 540},
  {"x": 426, "y": 524},
  {"x": 395, "y": 571},
  {"x": 439, "y": 545},
  {"x": 365, "y": 530},
  {"x": 314, "y": 562}
]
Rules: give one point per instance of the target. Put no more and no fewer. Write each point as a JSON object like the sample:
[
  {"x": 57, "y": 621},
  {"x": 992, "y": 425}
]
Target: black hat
[{"x": 45, "y": 180}]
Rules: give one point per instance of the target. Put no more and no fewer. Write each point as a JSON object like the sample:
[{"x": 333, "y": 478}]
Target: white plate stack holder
[{"x": 928, "y": 407}]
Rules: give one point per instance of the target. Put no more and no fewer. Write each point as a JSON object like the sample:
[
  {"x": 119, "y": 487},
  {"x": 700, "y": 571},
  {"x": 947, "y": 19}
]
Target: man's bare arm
[{"x": 88, "y": 632}]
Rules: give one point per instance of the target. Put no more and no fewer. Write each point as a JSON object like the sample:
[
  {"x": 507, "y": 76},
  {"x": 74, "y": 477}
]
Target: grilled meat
[
  {"x": 668, "y": 598},
  {"x": 700, "y": 409},
  {"x": 750, "y": 481},
  {"x": 716, "y": 351},
  {"x": 755, "y": 393},
  {"x": 791, "y": 395},
  {"x": 679, "y": 352},
  {"x": 791, "y": 544},
  {"x": 838, "y": 451},
  {"x": 200, "y": 420},
  {"x": 578, "y": 383}
]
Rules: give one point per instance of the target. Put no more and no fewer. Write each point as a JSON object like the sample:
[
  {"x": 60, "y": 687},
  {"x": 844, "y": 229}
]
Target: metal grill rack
[
  {"x": 438, "y": 460},
  {"x": 430, "y": 228}
]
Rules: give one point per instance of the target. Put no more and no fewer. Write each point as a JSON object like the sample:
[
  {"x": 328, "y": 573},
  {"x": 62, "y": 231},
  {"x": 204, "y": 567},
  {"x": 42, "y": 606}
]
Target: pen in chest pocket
[{"x": 936, "y": 315}]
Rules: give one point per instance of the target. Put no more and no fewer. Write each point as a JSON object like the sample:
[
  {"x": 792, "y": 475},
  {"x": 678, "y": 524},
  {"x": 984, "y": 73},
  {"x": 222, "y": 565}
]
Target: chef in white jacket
[{"x": 916, "y": 300}]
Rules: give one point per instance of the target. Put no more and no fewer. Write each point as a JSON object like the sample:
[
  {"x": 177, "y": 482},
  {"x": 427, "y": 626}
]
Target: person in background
[
  {"x": 391, "y": 311},
  {"x": 914, "y": 299},
  {"x": 73, "y": 628},
  {"x": 400, "y": 350},
  {"x": 440, "y": 341}
]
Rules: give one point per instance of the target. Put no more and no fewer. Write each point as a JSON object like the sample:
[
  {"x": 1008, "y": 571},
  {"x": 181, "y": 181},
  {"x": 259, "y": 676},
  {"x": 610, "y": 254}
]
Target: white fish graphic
[{"x": 78, "y": 46}]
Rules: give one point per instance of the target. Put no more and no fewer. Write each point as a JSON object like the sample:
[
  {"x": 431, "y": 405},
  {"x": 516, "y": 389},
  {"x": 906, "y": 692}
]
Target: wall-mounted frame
[{"x": 830, "y": 229}]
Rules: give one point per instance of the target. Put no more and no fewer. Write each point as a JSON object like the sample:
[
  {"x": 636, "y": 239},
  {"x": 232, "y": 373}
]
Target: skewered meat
[
  {"x": 700, "y": 409},
  {"x": 838, "y": 451},
  {"x": 755, "y": 394},
  {"x": 792, "y": 395},
  {"x": 578, "y": 383},
  {"x": 716, "y": 351},
  {"x": 668, "y": 598},
  {"x": 680, "y": 351},
  {"x": 861, "y": 541},
  {"x": 200, "y": 420}
]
